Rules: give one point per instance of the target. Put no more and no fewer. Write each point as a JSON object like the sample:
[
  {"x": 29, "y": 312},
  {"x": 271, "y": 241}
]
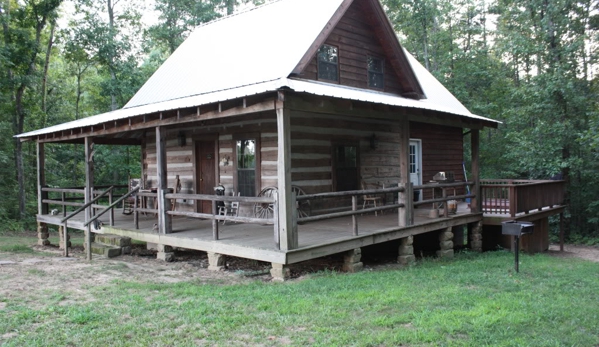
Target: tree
[{"x": 23, "y": 24}]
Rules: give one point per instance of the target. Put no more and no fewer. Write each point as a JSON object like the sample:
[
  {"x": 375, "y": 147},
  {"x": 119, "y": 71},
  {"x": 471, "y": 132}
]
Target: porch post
[
  {"x": 287, "y": 229},
  {"x": 164, "y": 220},
  {"x": 476, "y": 202},
  {"x": 89, "y": 189},
  {"x": 405, "y": 213},
  {"x": 42, "y": 208}
]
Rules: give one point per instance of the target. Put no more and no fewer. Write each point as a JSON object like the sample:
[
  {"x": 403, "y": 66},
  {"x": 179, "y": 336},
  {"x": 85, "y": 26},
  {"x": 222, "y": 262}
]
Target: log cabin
[{"x": 325, "y": 135}]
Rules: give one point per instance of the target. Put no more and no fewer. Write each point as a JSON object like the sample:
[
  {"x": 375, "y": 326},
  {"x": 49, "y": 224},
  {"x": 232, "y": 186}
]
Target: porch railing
[
  {"x": 402, "y": 202},
  {"x": 216, "y": 217},
  {"x": 354, "y": 212},
  {"x": 75, "y": 197},
  {"x": 521, "y": 196}
]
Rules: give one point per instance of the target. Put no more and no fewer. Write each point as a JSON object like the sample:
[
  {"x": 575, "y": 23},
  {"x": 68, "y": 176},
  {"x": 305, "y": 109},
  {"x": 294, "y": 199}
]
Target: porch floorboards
[{"x": 254, "y": 241}]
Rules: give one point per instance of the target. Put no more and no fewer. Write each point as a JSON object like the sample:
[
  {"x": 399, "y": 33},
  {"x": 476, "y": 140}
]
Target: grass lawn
[{"x": 472, "y": 300}]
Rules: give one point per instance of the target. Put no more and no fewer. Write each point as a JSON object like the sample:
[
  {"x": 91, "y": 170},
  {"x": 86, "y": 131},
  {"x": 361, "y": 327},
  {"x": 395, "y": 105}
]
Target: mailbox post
[{"x": 516, "y": 229}]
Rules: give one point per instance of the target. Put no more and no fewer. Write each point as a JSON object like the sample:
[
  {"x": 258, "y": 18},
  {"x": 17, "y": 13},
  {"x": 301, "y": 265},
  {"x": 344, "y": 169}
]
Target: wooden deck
[{"x": 251, "y": 241}]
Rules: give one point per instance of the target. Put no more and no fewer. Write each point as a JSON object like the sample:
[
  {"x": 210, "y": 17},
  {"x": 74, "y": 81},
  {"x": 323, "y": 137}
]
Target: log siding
[{"x": 356, "y": 40}]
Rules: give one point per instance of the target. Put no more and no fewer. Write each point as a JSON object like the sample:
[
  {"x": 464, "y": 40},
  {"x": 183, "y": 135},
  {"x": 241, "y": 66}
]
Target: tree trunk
[
  {"x": 45, "y": 73},
  {"x": 113, "y": 105}
]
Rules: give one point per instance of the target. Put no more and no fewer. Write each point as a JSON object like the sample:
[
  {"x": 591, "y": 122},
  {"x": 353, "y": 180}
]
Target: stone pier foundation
[
  {"x": 476, "y": 236},
  {"x": 280, "y": 272},
  {"x": 406, "y": 251},
  {"x": 445, "y": 244},
  {"x": 216, "y": 262},
  {"x": 42, "y": 234},
  {"x": 352, "y": 261},
  {"x": 165, "y": 253}
]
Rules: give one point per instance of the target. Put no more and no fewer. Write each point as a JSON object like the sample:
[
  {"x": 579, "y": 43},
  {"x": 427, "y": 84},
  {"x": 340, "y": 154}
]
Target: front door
[
  {"x": 205, "y": 172},
  {"x": 416, "y": 164}
]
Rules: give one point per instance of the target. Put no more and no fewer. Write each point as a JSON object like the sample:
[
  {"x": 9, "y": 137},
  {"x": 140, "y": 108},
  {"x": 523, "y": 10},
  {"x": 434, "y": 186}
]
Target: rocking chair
[{"x": 129, "y": 203}]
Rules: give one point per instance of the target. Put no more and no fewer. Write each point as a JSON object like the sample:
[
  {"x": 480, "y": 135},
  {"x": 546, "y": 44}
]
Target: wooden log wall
[
  {"x": 313, "y": 138},
  {"x": 356, "y": 39},
  {"x": 181, "y": 159},
  {"x": 442, "y": 150}
]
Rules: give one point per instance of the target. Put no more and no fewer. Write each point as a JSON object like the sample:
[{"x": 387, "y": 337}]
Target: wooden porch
[{"x": 257, "y": 241}]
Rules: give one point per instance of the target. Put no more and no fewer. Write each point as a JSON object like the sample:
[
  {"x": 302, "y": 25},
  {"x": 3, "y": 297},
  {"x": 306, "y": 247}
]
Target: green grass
[{"x": 473, "y": 300}]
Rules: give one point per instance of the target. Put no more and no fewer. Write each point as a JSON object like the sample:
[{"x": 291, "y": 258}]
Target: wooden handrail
[
  {"x": 94, "y": 218},
  {"x": 77, "y": 211},
  {"x": 349, "y": 193}
]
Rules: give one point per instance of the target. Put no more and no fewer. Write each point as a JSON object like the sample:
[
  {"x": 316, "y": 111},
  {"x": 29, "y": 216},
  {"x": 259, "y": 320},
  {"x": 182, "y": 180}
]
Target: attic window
[
  {"x": 328, "y": 63},
  {"x": 376, "y": 70}
]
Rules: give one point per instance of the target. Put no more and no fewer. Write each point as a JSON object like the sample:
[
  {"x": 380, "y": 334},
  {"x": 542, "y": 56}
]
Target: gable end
[{"x": 360, "y": 32}]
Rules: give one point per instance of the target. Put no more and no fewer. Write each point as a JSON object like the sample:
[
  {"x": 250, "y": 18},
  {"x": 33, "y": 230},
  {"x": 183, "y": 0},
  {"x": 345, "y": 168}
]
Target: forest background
[{"x": 531, "y": 64}]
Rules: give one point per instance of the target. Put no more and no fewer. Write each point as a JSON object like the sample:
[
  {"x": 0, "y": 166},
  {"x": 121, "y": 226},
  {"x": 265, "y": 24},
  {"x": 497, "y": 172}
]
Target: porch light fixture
[
  {"x": 181, "y": 139},
  {"x": 374, "y": 142}
]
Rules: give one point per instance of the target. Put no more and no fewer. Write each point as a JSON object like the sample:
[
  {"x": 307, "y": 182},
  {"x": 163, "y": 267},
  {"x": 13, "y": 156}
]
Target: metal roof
[
  {"x": 251, "y": 53},
  {"x": 259, "y": 45}
]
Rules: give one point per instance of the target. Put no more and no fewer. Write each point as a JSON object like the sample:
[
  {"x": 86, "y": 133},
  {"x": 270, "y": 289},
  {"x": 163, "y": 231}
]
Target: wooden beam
[
  {"x": 164, "y": 219},
  {"x": 287, "y": 230},
  {"x": 476, "y": 202},
  {"x": 265, "y": 105},
  {"x": 326, "y": 105},
  {"x": 89, "y": 188},
  {"x": 42, "y": 208},
  {"x": 404, "y": 173}
]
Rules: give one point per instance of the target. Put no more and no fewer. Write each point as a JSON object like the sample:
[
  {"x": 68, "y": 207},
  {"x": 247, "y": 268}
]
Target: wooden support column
[
  {"x": 405, "y": 214},
  {"x": 89, "y": 189},
  {"x": 164, "y": 220},
  {"x": 476, "y": 202},
  {"x": 287, "y": 228},
  {"x": 42, "y": 208}
]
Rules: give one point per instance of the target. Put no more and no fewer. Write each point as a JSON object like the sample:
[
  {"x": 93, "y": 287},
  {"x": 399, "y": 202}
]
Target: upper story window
[
  {"x": 376, "y": 73},
  {"x": 328, "y": 63}
]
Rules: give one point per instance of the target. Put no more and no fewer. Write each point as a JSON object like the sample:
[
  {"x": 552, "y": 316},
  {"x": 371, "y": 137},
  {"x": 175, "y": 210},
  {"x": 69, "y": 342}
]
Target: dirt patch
[{"x": 576, "y": 251}]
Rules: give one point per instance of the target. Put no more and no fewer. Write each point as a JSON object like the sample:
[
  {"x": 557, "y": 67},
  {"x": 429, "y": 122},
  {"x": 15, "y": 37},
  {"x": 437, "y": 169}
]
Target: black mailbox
[{"x": 516, "y": 228}]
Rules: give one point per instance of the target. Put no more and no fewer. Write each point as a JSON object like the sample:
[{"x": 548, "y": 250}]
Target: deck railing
[
  {"x": 75, "y": 197},
  {"x": 440, "y": 194},
  {"x": 402, "y": 202},
  {"x": 354, "y": 212},
  {"x": 520, "y": 196},
  {"x": 270, "y": 201}
]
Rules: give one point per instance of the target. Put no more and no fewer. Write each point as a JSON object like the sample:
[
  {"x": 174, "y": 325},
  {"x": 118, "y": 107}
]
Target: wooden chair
[
  {"x": 230, "y": 209},
  {"x": 129, "y": 202},
  {"x": 371, "y": 198}
]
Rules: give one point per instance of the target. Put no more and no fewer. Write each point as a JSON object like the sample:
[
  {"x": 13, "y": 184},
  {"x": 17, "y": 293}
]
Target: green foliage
[{"x": 526, "y": 63}]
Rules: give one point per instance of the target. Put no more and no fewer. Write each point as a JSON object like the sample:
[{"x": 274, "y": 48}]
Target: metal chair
[{"x": 231, "y": 209}]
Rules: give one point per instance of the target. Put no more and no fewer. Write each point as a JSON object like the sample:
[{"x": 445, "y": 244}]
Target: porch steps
[{"x": 111, "y": 246}]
